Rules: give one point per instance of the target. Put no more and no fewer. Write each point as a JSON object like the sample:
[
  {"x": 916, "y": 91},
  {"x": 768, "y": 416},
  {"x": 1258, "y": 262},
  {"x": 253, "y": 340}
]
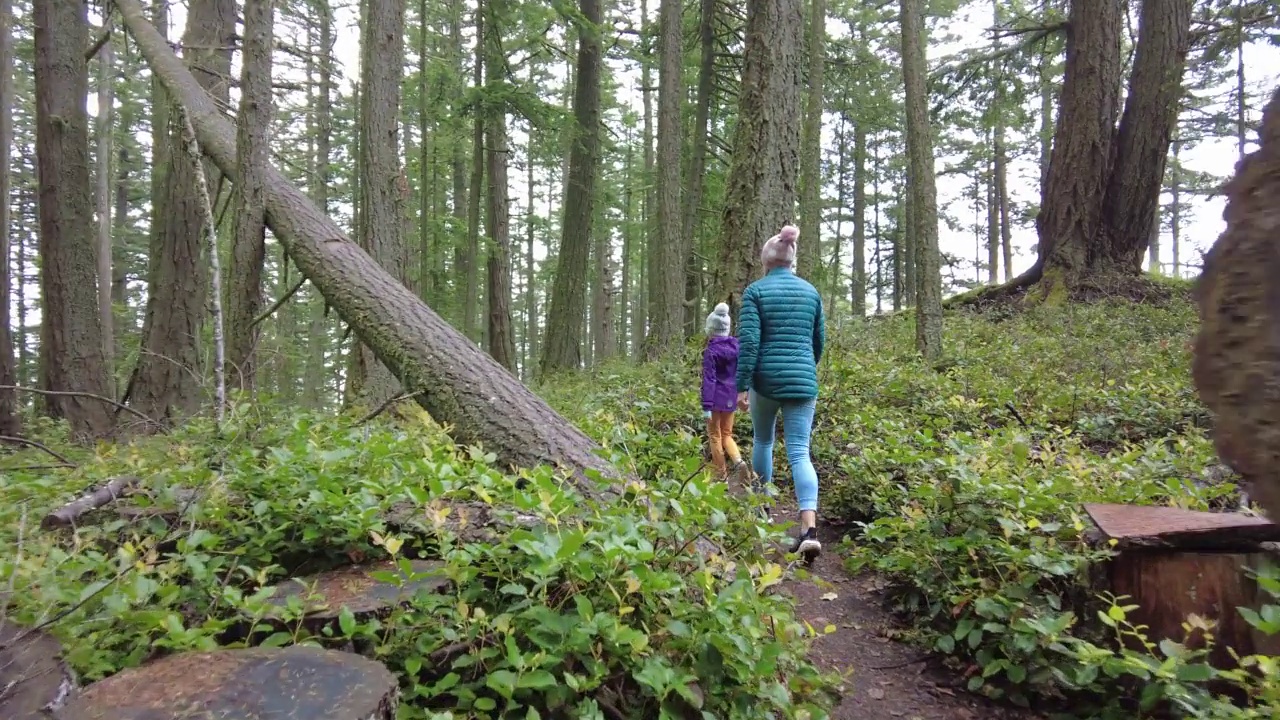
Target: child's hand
[{"x": 706, "y": 414}]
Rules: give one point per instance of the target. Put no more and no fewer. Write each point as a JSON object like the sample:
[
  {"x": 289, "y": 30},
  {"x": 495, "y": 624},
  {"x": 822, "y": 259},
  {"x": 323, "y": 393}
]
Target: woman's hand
[{"x": 743, "y": 404}]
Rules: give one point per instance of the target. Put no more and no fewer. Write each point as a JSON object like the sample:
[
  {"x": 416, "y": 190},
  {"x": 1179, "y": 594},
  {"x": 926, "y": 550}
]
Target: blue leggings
[{"x": 797, "y": 421}]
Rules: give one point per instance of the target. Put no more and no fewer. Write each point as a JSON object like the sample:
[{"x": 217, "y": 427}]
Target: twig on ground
[
  {"x": 898, "y": 666},
  {"x": 38, "y": 446},
  {"x": 1016, "y": 415},
  {"x": 77, "y": 393}
]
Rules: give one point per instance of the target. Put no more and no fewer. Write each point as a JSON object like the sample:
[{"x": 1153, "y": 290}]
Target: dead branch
[
  {"x": 277, "y": 304},
  {"x": 91, "y": 396},
  {"x": 383, "y": 407},
  {"x": 67, "y": 514},
  {"x": 36, "y": 445}
]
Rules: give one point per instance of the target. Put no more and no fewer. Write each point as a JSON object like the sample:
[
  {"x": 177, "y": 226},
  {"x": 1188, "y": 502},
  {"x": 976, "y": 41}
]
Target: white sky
[{"x": 1200, "y": 226}]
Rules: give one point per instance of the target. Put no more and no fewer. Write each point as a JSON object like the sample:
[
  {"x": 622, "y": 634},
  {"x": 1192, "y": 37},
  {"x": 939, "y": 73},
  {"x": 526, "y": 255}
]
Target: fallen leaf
[
  {"x": 876, "y": 693},
  {"x": 830, "y": 596}
]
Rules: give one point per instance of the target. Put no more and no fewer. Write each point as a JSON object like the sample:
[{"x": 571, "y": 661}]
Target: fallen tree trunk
[
  {"x": 1236, "y": 367},
  {"x": 69, "y": 513},
  {"x": 457, "y": 383},
  {"x": 295, "y": 682}
]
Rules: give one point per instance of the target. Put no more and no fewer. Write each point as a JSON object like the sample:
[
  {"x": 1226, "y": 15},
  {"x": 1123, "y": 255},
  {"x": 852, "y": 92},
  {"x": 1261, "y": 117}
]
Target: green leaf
[
  {"x": 279, "y": 639},
  {"x": 946, "y": 644},
  {"x": 537, "y": 680},
  {"x": 502, "y": 682},
  {"x": 1199, "y": 672},
  {"x": 346, "y": 621},
  {"x": 484, "y": 704}
]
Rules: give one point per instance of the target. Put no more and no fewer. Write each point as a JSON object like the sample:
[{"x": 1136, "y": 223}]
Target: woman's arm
[
  {"x": 819, "y": 333},
  {"x": 748, "y": 338}
]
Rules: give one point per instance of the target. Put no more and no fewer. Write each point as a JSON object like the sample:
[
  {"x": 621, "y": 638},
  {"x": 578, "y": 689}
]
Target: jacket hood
[{"x": 723, "y": 342}]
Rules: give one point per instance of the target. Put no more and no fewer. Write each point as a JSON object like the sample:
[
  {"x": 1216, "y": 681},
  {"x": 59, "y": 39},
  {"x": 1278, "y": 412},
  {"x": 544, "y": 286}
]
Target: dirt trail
[{"x": 885, "y": 679}]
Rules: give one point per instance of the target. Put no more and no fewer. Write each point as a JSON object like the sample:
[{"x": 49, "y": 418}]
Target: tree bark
[
  {"x": 497, "y": 224},
  {"x": 318, "y": 325},
  {"x": 167, "y": 382},
  {"x": 667, "y": 281},
  {"x": 1131, "y": 204},
  {"x": 1236, "y": 363},
  {"x": 471, "y": 278},
  {"x": 458, "y": 384},
  {"x": 651, "y": 253},
  {"x": 248, "y": 248},
  {"x": 922, "y": 183},
  {"x": 810, "y": 263},
  {"x": 103, "y": 129},
  {"x": 696, "y": 181},
  {"x": 760, "y": 194},
  {"x": 10, "y": 420},
  {"x": 383, "y": 188},
  {"x": 858, "y": 281},
  {"x": 562, "y": 349},
  {"x": 71, "y": 350}
]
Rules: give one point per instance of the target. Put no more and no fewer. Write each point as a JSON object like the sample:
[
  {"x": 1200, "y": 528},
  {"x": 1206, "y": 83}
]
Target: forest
[{"x": 350, "y": 357}]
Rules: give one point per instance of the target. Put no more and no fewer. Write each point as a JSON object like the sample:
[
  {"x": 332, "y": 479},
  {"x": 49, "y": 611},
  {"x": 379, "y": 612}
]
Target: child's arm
[
  {"x": 748, "y": 339},
  {"x": 708, "y": 378}
]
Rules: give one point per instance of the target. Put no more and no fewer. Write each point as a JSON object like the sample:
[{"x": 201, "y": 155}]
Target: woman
[{"x": 781, "y": 334}]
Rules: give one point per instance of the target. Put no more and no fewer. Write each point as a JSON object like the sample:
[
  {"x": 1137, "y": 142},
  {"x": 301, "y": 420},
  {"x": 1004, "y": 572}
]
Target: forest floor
[{"x": 885, "y": 679}]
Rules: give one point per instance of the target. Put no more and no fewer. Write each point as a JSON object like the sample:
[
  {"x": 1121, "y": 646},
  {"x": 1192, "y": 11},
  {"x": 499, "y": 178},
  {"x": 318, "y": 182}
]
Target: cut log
[
  {"x": 1135, "y": 526},
  {"x": 33, "y": 677},
  {"x": 324, "y": 595},
  {"x": 69, "y": 513},
  {"x": 294, "y": 683},
  {"x": 1236, "y": 365},
  {"x": 458, "y": 384},
  {"x": 1173, "y": 563}
]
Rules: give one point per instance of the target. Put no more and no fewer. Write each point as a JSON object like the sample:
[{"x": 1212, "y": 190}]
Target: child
[{"x": 720, "y": 390}]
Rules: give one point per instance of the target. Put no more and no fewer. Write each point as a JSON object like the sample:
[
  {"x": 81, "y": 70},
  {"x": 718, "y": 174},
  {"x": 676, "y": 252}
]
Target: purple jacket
[{"x": 719, "y": 374}]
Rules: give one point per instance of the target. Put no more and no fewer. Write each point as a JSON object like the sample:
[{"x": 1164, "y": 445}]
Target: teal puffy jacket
[{"x": 780, "y": 335}]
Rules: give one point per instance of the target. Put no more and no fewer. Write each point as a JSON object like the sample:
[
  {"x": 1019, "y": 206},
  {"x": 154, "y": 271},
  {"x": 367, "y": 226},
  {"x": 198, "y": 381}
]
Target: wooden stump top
[
  {"x": 294, "y": 683},
  {"x": 32, "y": 675},
  {"x": 1140, "y": 526},
  {"x": 354, "y": 587}
]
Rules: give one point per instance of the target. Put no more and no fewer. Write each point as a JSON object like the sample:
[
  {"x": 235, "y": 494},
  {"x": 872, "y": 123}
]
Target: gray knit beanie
[{"x": 718, "y": 321}]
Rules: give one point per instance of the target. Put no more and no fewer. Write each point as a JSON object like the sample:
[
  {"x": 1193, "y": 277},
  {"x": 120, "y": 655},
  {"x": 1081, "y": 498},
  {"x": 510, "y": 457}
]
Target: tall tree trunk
[
  {"x": 562, "y": 349},
  {"x": 530, "y": 276},
  {"x": 71, "y": 347},
  {"x": 424, "y": 350},
  {"x": 1175, "y": 213},
  {"x": 318, "y": 325},
  {"x": 993, "y": 221},
  {"x": 500, "y": 332},
  {"x": 628, "y": 246},
  {"x": 1132, "y": 200},
  {"x": 426, "y": 168},
  {"x": 471, "y": 277},
  {"x": 602, "y": 337},
  {"x": 166, "y": 383},
  {"x": 1104, "y": 184},
  {"x": 810, "y": 263},
  {"x": 10, "y": 420},
  {"x": 922, "y": 183},
  {"x": 464, "y": 265},
  {"x": 248, "y": 247},
  {"x": 695, "y": 182},
  {"x": 645, "y": 305},
  {"x": 666, "y": 284},
  {"x": 858, "y": 280},
  {"x": 383, "y": 184},
  {"x": 760, "y": 194},
  {"x": 103, "y": 130},
  {"x": 1002, "y": 198},
  {"x": 1071, "y": 204}
]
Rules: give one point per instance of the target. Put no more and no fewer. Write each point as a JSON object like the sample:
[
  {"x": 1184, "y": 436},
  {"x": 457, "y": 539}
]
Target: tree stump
[
  {"x": 1174, "y": 562},
  {"x": 325, "y": 594},
  {"x": 32, "y": 674},
  {"x": 293, "y": 683}
]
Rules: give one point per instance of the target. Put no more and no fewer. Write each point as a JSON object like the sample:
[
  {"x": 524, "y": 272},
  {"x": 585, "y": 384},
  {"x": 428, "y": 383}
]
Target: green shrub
[{"x": 594, "y": 609}]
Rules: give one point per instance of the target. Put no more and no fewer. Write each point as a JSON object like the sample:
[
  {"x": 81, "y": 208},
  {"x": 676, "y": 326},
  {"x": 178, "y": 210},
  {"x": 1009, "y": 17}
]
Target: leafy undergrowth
[
  {"x": 967, "y": 478},
  {"x": 592, "y": 611}
]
